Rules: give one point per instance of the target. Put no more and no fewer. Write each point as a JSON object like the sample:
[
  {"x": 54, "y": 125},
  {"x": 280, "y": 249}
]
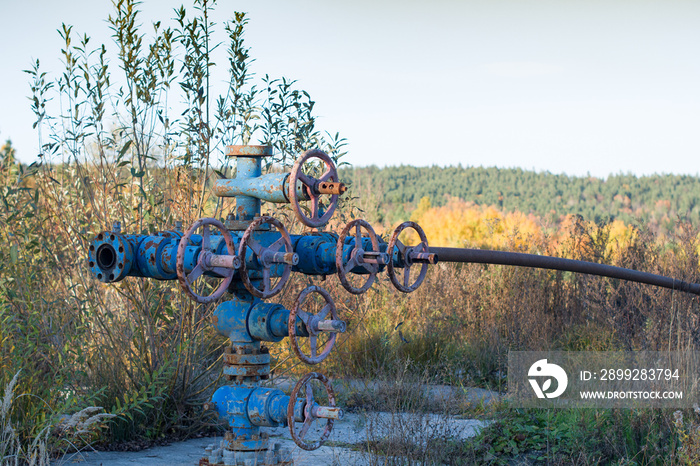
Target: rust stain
[
  {"x": 251, "y": 360},
  {"x": 331, "y": 187}
]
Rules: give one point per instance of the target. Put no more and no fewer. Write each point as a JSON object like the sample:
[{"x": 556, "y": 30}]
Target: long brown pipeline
[{"x": 481, "y": 256}]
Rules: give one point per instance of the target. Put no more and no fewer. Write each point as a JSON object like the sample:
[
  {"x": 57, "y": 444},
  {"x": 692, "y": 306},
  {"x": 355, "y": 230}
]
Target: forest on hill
[
  {"x": 657, "y": 201},
  {"x": 86, "y": 365}
]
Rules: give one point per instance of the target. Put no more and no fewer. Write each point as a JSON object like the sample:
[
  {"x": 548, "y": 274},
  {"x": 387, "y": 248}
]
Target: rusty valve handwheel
[
  {"x": 267, "y": 257},
  {"x": 314, "y": 188},
  {"x": 369, "y": 260},
  {"x": 207, "y": 261},
  {"x": 315, "y": 324},
  {"x": 312, "y": 411},
  {"x": 409, "y": 256}
]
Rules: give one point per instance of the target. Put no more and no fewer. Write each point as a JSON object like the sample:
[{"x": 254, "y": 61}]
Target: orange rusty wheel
[
  {"x": 207, "y": 261},
  {"x": 315, "y": 325},
  {"x": 312, "y": 411},
  {"x": 408, "y": 256},
  {"x": 313, "y": 188},
  {"x": 368, "y": 260},
  {"x": 267, "y": 257}
]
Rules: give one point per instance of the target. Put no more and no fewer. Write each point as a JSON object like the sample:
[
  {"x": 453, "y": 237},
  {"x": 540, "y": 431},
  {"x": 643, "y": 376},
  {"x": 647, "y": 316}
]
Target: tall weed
[
  {"x": 114, "y": 150},
  {"x": 461, "y": 323}
]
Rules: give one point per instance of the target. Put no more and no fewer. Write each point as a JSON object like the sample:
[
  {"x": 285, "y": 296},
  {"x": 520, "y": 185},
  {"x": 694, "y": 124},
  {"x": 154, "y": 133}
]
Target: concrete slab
[
  {"x": 436, "y": 393},
  {"x": 353, "y": 430}
]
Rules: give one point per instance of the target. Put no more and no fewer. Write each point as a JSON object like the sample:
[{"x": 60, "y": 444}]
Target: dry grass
[
  {"x": 148, "y": 355},
  {"x": 461, "y": 323},
  {"x": 12, "y": 451},
  {"x": 459, "y": 326}
]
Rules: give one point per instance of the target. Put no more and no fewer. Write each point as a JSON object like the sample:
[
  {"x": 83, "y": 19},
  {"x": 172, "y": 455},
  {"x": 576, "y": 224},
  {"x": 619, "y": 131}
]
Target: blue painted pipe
[
  {"x": 247, "y": 321},
  {"x": 271, "y": 188},
  {"x": 248, "y": 408},
  {"x": 114, "y": 256}
]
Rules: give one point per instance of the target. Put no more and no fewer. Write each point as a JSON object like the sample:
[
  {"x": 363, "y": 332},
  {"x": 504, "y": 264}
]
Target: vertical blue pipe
[{"x": 247, "y": 207}]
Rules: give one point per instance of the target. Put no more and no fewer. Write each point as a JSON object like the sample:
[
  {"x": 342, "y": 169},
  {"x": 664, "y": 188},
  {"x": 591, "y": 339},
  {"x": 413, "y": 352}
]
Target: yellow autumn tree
[
  {"x": 575, "y": 238},
  {"x": 460, "y": 223}
]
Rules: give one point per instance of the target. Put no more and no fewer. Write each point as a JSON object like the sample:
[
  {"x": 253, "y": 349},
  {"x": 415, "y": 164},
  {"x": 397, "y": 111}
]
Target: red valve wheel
[
  {"x": 310, "y": 187},
  {"x": 357, "y": 256},
  {"x": 406, "y": 255},
  {"x": 207, "y": 261},
  {"x": 312, "y": 322},
  {"x": 267, "y": 257},
  {"x": 312, "y": 411}
]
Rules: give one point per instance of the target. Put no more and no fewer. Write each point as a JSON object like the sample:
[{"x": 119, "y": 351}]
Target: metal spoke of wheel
[
  {"x": 276, "y": 245},
  {"x": 266, "y": 280},
  {"x": 309, "y": 394},
  {"x": 406, "y": 276},
  {"x": 196, "y": 272},
  {"x": 220, "y": 270},
  {"x": 305, "y": 428},
  {"x": 255, "y": 247},
  {"x": 314, "y": 206},
  {"x": 206, "y": 244},
  {"x": 350, "y": 264},
  {"x": 313, "y": 346},
  {"x": 303, "y": 315},
  {"x": 306, "y": 179},
  {"x": 326, "y": 175},
  {"x": 324, "y": 312},
  {"x": 371, "y": 268}
]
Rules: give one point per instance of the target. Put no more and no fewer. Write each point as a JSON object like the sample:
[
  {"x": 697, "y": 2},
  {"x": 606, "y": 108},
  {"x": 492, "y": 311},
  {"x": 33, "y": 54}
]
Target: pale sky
[{"x": 562, "y": 86}]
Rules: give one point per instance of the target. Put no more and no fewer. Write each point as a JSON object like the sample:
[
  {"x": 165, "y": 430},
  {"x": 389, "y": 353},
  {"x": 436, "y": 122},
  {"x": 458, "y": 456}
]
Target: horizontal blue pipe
[
  {"x": 250, "y": 408},
  {"x": 248, "y": 321},
  {"x": 114, "y": 256}
]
